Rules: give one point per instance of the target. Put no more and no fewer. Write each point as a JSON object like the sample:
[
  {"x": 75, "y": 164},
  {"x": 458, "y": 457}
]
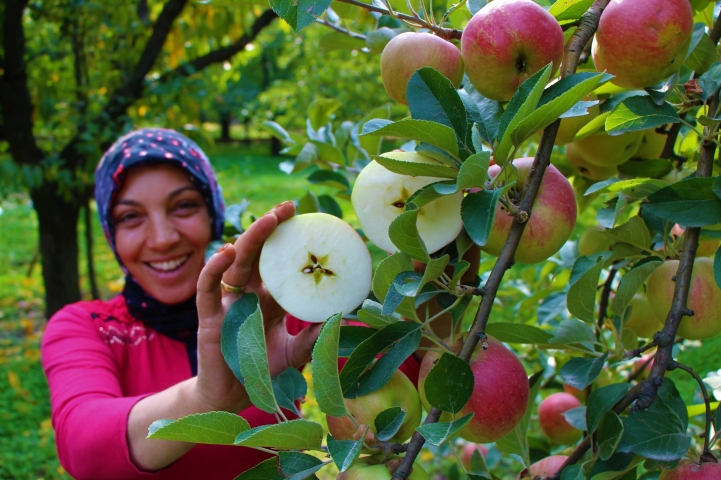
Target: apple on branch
[
  {"x": 316, "y": 265},
  {"x": 372, "y": 468},
  {"x": 588, "y": 169},
  {"x": 569, "y": 127},
  {"x": 552, "y": 421},
  {"x": 651, "y": 145},
  {"x": 642, "y": 320},
  {"x": 606, "y": 151},
  {"x": 688, "y": 470},
  {"x": 544, "y": 467},
  {"x": 380, "y": 195},
  {"x": 506, "y": 42}
]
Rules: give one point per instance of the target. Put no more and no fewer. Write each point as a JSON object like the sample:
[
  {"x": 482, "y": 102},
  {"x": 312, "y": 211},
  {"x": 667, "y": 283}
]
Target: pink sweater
[{"x": 99, "y": 361}]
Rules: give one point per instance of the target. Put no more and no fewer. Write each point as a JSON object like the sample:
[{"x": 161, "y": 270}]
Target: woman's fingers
[
  {"x": 208, "y": 297},
  {"x": 301, "y": 346}
]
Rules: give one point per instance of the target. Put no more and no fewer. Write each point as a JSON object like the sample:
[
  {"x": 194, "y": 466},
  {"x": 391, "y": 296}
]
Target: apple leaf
[
  {"x": 602, "y": 400},
  {"x": 429, "y": 193},
  {"x": 351, "y": 336},
  {"x": 298, "y": 466},
  {"x": 703, "y": 54},
  {"x": 388, "y": 422},
  {"x": 610, "y": 431},
  {"x": 634, "y": 189},
  {"x": 234, "y": 319},
  {"x": 214, "y": 428},
  {"x": 328, "y": 152},
  {"x": 559, "y": 98},
  {"x": 328, "y": 205},
  {"x": 449, "y": 384},
  {"x": 581, "y": 299},
  {"x": 437, "y": 154},
  {"x": 717, "y": 268},
  {"x": 458, "y": 270},
  {"x": 416, "y": 169},
  {"x": 299, "y": 14},
  {"x": 434, "y": 270},
  {"x": 569, "y": 10},
  {"x": 288, "y": 387},
  {"x": 366, "y": 352},
  {"x": 403, "y": 232},
  {"x": 690, "y": 202},
  {"x": 710, "y": 81},
  {"x": 431, "y": 96},
  {"x": 518, "y": 333},
  {"x": 478, "y": 211},
  {"x": 308, "y": 204},
  {"x": 419, "y": 130},
  {"x": 329, "y": 178},
  {"x": 474, "y": 171},
  {"x": 592, "y": 127},
  {"x": 344, "y": 452},
  {"x": 572, "y": 332},
  {"x": 253, "y": 358},
  {"x": 439, "y": 432},
  {"x": 581, "y": 372},
  {"x": 384, "y": 276},
  {"x": 290, "y": 435},
  {"x": 320, "y": 110},
  {"x": 634, "y": 232},
  {"x": 639, "y": 113},
  {"x": 516, "y": 442},
  {"x": 651, "y": 435},
  {"x": 326, "y": 381},
  {"x": 576, "y": 417},
  {"x": 669, "y": 403},
  {"x": 631, "y": 282},
  {"x": 265, "y": 470},
  {"x": 371, "y": 314},
  {"x": 522, "y": 103},
  {"x": 651, "y": 168},
  {"x": 489, "y": 114}
]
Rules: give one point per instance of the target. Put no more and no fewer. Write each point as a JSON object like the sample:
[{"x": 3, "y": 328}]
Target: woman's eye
[
  {"x": 126, "y": 217},
  {"x": 187, "y": 205}
]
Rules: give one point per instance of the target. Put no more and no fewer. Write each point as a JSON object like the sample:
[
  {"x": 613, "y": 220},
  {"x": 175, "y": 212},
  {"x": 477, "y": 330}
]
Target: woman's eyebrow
[{"x": 181, "y": 190}]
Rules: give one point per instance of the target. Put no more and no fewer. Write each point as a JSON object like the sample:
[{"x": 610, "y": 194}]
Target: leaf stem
[{"x": 704, "y": 392}]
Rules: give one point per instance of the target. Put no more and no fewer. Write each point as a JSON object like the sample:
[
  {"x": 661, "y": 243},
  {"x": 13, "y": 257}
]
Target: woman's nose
[{"x": 163, "y": 234}]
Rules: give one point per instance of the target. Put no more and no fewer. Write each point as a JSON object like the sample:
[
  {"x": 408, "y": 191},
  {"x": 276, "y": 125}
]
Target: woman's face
[{"x": 162, "y": 227}]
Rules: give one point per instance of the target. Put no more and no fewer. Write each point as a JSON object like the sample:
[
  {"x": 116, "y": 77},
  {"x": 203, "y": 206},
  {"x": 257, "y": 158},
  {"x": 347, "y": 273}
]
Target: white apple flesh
[
  {"x": 380, "y": 195},
  {"x": 316, "y": 265}
]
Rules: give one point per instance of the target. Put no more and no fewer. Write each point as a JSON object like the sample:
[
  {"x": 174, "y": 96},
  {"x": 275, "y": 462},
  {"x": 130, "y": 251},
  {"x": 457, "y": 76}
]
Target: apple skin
[
  {"x": 707, "y": 248},
  {"x": 408, "y": 52},
  {"x": 553, "y": 424},
  {"x": 467, "y": 453},
  {"x": 506, "y": 42},
  {"x": 642, "y": 319},
  {"x": 552, "y": 218},
  {"x": 651, "y": 145},
  {"x": 544, "y": 467},
  {"x": 370, "y": 468},
  {"x": 588, "y": 169},
  {"x": 569, "y": 127},
  {"x": 606, "y": 151},
  {"x": 642, "y": 42},
  {"x": 593, "y": 241},
  {"x": 704, "y": 298},
  {"x": 579, "y": 394},
  {"x": 399, "y": 391},
  {"x": 500, "y": 392},
  {"x": 687, "y": 470}
]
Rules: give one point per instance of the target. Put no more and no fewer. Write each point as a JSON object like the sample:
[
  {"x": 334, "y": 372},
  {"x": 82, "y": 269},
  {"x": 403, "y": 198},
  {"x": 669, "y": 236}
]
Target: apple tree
[{"x": 505, "y": 159}]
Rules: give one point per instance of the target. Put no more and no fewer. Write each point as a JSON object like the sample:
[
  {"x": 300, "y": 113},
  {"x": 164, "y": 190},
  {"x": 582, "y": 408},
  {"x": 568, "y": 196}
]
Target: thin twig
[
  {"x": 704, "y": 392},
  {"x": 605, "y": 296},
  {"x": 340, "y": 29}
]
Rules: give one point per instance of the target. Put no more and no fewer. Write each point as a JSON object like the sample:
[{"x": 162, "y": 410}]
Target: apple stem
[{"x": 707, "y": 433}]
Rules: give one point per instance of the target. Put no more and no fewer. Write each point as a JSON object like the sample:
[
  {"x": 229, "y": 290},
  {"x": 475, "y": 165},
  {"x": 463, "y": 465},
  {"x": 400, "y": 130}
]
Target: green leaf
[
  {"x": 434, "y": 270},
  {"x": 299, "y": 14},
  {"x": 717, "y": 269},
  {"x": 330, "y": 206},
  {"x": 576, "y": 417},
  {"x": 328, "y": 152},
  {"x": 429, "y": 193},
  {"x": 652, "y": 168},
  {"x": 570, "y": 332},
  {"x": 329, "y": 178},
  {"x": 326, "y": 381},
  {"x": 631, "y": 282},
  {"x": 214, "y": 428},
  {"x": 298, "y": 466},
  {"x": 384, "y": 275},
  {"x": 474, "y": 171},
  {"x": 458, "y": 270},
  {"x": 288, "y": 387},
  {"x": 478, "y": 210},
  {"x": 416, "y": 169},
  {"x": 278, "y": 132},
  {"x": 559, "y": 97},
  {"x": 581, "y": 372},
  {"x": 351, "y": 337},
  {"x": 419, "y": 130},
  {"x": 710, "y": 81},
  {"x": 403, "y": 232},
  {"x": 569, "y": 10},
  {"x": 308, "y": 204},
  {"x": 634, "y": 232},
  {"x": 320, "y": 109},
  {"x": 431, "y": 96},
  {"x": 388, "y": 422},
  {"x": 437, "y": 433},
  {"x": 635, "y": 188},
  {"x": 690, "y": 202},
  {"x": 334, "y": 41},
  {"x": 518, "y": 333},
  {"x": 592, "y": 127},
  {"x": 522, "y": 103},
  {"x": 703, "y": 55},
  {"x": 265, "y": 470},
  {"x": 486, "y": 114},
  {"x": 651, "y": 435},
  {"x": 610, "y": 431},
  {"x": 344, "y": 452},
  {"x": 371, "y": 314},
  {"x": 253, "y": 359},
  {"x": 670, "y": 404},
  {"x": 449, "y": 384},
  {"x": 639, "y": 113},
  {"x": 602, "y": 400},
  {"x": 290, "y": 435},
  {"x": 581, "y": 300},
  {"x": 234, "y": 319}
]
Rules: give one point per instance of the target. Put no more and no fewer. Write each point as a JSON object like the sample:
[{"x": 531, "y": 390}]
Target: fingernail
[
  {"x": 223, "y": 248},
  {"x": 282, "y": 204}
]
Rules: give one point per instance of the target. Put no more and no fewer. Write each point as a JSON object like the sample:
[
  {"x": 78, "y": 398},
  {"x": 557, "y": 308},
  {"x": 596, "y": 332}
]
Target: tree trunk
[
  {"x": 275, "y": 146},
  {"x": 88, "y": 220},
  {"x": 58, "y": 228},
  {"x": 225, "y": 128}
]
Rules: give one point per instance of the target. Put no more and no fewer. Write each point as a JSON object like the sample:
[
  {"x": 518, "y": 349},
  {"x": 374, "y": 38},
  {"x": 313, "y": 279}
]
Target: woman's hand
[{"x": 237, "y": 265}]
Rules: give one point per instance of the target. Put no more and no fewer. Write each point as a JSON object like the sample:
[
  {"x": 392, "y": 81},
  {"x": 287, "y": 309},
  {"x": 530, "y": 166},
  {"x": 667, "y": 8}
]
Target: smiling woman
[{"x": 114, "y": 367}]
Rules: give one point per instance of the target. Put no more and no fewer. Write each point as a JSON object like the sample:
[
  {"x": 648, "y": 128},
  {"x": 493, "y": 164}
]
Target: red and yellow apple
[
  {"x": 688, "y": 470},
  {"x": 704, "y": 298},
  {"x": 579, "y": 394},
  {"x": 506, "y": 42},
  {"x": 552, "y": 217},
  {"x": 408, "y": 52},
  {"x": 467, "y": 453},
  {"x": 371, "y": 468},
  {"x": 500, "y": 392},
  {"x": 552, "y": 421},
  {"x": 642, "y": 320},
  {"x": 588, "y": 169},
  {"x": 606, "y": 151},
  {"x": 398, "y": 392},
  {"x": 544, "y": 467},
  {"x": 642, "y": 42}
]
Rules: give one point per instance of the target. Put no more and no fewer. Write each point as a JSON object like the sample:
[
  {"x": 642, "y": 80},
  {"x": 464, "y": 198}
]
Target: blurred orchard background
[{"x": 218, "y": 71}]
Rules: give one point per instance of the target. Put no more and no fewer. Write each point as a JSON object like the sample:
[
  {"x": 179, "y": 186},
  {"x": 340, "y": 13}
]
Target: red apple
[
  {"x": 606, "y": 151},
  {"x": 371, "y": 468},
  {"x": 500, "y": 392},
  {"x": 544, "y": 467},
  {"x": 506, "y": 42},
  {"x": 551, "y": 221},
  {"x": 687, "y": 470},
  {"x": 399, "y": 391},
  {"x": 553, "y": 423},
  {"x": 642, "y": 42},
  {"x": 642, "y": 319},
  {"x": 704, "y": 298},
  {"x": 408, "y": 52},
  {"x": 588, "y": 169},
  {"x": 467, "y": 453}
]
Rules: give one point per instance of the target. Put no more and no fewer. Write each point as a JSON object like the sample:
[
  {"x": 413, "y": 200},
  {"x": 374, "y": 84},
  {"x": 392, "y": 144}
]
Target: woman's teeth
[{"x": 169, "y": 265}]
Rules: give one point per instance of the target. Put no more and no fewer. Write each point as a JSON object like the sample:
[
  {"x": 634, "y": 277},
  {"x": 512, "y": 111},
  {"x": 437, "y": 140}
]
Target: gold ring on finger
[{"x": 231, "y": 288}]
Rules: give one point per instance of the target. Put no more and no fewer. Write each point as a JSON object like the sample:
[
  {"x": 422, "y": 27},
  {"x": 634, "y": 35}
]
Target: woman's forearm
[{"x": 175, "y": 402}]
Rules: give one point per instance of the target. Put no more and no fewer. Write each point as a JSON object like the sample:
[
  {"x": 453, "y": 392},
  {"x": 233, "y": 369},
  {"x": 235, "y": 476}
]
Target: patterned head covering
[{"x": 150, "y": 146}]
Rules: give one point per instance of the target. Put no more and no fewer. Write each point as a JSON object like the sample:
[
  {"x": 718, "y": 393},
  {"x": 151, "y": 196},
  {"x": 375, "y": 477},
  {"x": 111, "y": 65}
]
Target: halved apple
[
  {"x": 380, "y": 195},
  {"x": 316, "y": 265}
]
